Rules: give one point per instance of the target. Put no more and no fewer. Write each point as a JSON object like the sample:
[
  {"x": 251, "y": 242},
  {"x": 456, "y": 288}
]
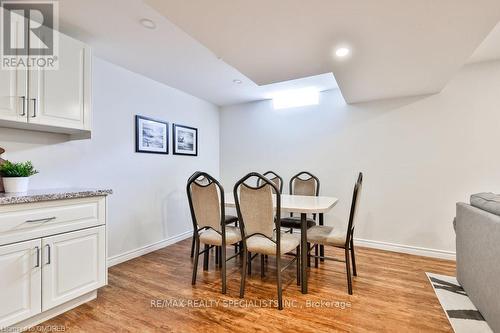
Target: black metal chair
[
  {"x": 230, "y": 219},
  {"x": 323, "y": 235},
  {"x": 303, "y": 183},
  {"x": 274, "y": 177},
  {"x": 206, "y": 203},
  {"x": 261, "y": 230},
  {"x": 278, "y": 181}
]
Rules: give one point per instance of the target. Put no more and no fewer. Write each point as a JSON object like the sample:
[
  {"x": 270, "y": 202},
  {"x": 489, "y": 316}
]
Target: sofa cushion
[{"x": 487, "y": 201}]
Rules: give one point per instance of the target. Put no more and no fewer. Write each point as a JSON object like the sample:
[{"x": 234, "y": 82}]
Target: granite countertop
[{"x": 51, "y": 194}]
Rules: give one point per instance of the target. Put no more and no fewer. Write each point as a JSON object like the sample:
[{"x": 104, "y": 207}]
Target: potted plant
[{"x": 16, "y": 175}]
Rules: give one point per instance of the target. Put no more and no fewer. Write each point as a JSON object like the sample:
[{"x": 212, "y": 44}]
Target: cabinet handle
[
  {"x": 23, "y": 99},
  {"x": 34, "y": 107},
  {"x": 48, "y": 254},
  {"x": 37, "y": 256},
  {"x": 41, "y": 220}
]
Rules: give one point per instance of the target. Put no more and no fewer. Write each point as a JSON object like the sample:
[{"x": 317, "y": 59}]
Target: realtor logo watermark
[{"x": 30, "y": 38}]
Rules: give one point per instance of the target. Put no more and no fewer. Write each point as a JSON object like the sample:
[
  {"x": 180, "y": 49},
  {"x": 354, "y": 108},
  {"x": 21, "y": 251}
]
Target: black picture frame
[
  {"x": 176, "y": 149},
  {"x": 139, "y": 148}
]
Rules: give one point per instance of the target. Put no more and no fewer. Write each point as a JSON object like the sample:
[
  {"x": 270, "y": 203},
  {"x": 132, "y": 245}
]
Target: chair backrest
[
  {"x": 206, "y": 201},
  {"x": 254, "y": 206},
  {"x": 275, "y": 178},
  {"x": 354, "y": 205},
  {"x": 304, "y": 183}
]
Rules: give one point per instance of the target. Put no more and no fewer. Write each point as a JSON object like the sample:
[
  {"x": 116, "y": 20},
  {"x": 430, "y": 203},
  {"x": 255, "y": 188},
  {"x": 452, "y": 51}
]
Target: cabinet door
[
  {"x": 20, "y": 282},
  {"x": 73, "y": 264},
  {"x": 13, "y": 85},
  {"x": 61, "y": 97}
]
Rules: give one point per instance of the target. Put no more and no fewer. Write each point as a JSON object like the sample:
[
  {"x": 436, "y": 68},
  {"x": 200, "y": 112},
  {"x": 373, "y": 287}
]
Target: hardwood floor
[{"x": 391, "y": 294}]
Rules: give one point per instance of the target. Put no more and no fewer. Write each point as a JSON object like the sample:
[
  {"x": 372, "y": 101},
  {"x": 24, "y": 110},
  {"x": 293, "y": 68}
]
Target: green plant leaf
[{"x": 20, "y": 169}]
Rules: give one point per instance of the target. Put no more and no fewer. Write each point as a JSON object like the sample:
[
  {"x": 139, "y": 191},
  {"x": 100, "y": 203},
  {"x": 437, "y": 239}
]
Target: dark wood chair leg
[
  {"x": 298, "y": 265},
  {"x": 262, "y": 274},
  {"x": 249, "y": 263},
  {"x": 348, "y": 269},
  {"x": 223, "y": 268},
  {"x": 217, "y": 250},
  {"x": 243, "y": 272},
  {"x": 192, "y": 246},
  {"x": 316, "y": 253},
  {"x": 236, "y": 245},
  {"x": 321, "y": 247},
  {"x": 354, "y": 272},
  {"x": 205, "y": 258},
  {"x": 308, "y": 254},
  {"x": 195, "y": 266},
  {"x": 280, "y": 288},
  {"x": 220, "y": 256}
]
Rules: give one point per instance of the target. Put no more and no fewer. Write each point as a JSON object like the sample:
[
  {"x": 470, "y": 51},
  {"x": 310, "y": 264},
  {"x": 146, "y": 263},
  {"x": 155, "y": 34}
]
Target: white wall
[
  {"x": 419, "y": 155},
  {"x": 149, "y": 202}
]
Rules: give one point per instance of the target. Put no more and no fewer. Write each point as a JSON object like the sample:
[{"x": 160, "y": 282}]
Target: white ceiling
[
  {"x": 166, "y": 54},
  {"x": 400, "y": 47},
  {"x": 489, "y": 48}
]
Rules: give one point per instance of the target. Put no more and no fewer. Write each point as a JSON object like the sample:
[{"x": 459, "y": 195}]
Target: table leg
[
  {"x": 321, "y": 247},
  {"x": 303, "y": 252}
]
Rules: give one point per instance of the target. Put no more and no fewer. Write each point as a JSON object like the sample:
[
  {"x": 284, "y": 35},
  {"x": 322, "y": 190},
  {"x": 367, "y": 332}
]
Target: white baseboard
[
  {"x": 118, "y": 259},
  {"x": 415, "y": 250}
]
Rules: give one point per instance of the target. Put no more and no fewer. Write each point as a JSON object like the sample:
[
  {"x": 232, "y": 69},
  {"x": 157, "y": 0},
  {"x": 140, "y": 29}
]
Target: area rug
[{"x": 462, "y": 314}]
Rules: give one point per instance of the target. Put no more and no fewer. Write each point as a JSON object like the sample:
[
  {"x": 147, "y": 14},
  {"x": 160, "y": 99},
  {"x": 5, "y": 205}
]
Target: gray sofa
[{"x": 478, "y": 254}]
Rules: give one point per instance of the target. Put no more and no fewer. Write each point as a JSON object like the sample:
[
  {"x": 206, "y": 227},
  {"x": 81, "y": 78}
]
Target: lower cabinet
[
  {"x": 40, "y": 274},
  {"x": 20, "y": 282},
  {"x": 73, "y": 264}
]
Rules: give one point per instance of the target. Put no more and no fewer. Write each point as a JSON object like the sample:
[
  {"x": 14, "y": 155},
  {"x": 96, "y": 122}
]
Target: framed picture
[
  {"x": 185, "y": 140},
  {"x": 151, "y": 136}
]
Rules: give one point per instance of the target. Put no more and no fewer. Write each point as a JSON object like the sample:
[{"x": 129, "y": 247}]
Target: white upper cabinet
[
  {"x": 13, "y": 87},
  {"x": 13, "y": 95},
  {"x": 62, "y": 97},
  {"x": 52, "y": 100}
]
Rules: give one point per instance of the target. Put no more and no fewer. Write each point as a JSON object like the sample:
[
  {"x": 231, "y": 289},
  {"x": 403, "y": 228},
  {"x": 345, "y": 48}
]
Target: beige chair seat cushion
[
  {"x": 263, "y": 245},
  {"x": 212, "y": 237},
  {"x": 324, "y": 235}
]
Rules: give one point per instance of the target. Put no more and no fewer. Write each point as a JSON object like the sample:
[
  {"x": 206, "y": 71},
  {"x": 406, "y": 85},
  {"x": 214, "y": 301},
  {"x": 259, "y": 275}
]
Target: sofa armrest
[{"x": 478, "y": 260}]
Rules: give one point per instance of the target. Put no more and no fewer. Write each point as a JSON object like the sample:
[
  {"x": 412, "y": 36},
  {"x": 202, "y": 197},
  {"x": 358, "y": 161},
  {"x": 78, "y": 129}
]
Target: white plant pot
[{"x": 15, "y": 184}]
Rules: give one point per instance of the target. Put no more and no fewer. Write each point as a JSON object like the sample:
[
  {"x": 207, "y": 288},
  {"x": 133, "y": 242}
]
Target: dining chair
[
  {"x": 303, "y": 183},
  {"x": 324, "y": 235},
  {"x": 275, "y": 178},
  {"x": 230, "y": 219},
  {"x": 206, "y": 203},
  {"x": 278, "y": 181},
  {"x": 261, "y": 230}
]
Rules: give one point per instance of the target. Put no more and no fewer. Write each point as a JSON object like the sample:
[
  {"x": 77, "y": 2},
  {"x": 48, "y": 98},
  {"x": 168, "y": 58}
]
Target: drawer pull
[
  {"x": 41, "y": 220},
  {"x": 48, "y": 254},
  {"x": 37, "y": 256}
]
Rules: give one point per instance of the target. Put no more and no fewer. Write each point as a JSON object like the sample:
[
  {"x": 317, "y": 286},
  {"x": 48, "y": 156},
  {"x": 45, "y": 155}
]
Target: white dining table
[{"x": 302, "y": 205}]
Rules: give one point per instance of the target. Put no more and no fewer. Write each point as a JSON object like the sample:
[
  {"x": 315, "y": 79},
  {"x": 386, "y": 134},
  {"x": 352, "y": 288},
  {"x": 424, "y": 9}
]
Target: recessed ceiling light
[
  {"x": 342, "y": 52},
  {"x": 147, "y": 23},
  {"x": 237, "y": 81}
]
